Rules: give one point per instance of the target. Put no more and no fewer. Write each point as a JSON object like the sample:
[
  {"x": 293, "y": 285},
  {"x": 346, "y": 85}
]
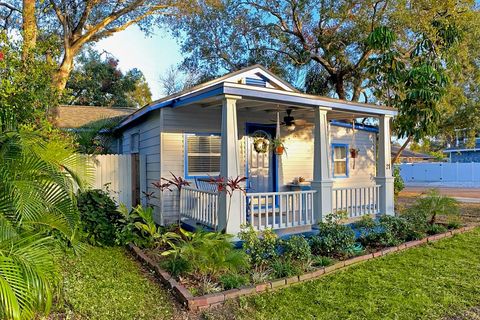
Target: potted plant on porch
[{"x": 277, "y": 146}]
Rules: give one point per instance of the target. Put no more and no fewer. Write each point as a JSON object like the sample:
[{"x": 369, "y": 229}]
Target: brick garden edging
[{"x": 202, "y": 302}]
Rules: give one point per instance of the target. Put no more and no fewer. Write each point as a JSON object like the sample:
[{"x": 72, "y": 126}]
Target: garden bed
[{"x": 201, "y": 302}]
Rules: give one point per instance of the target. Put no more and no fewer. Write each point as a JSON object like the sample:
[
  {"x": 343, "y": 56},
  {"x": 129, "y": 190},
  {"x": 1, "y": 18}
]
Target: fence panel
[
  {"x": 441, "y": 173},
  {"x": 113, "y": 173}
]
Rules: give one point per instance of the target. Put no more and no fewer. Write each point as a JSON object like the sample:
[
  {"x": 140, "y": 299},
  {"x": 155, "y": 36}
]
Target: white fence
[
  {"x": 356, "y": 201},
  {"x": 280, "y": 210},
  {"x": 199, "y": 205},
  {"x": 114, "y": 173},
  {"x": 441, "y": 174}
]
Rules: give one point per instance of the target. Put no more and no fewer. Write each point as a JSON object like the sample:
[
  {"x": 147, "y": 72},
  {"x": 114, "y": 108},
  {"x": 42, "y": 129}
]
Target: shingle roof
[
  {"x": 70, "y": 117},
  {"x": 410, "y": 154}
]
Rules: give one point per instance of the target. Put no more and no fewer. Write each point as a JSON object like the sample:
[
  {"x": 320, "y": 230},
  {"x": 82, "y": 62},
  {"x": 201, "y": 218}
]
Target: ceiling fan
[{"x": 290, "y": 122}]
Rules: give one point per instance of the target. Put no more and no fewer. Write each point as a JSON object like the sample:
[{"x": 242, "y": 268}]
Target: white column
[
  {"x": 384, "y": 167},
  {"x": 230, "y": 209},
  {"x": 322, "y": 176}
]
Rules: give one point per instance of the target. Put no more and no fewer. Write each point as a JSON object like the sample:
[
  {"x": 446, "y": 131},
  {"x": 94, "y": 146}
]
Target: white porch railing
[
  {"x": 199, "y": 205},
  {"x": 279, "y": 210},
  {"x": 356, "y": 201}
]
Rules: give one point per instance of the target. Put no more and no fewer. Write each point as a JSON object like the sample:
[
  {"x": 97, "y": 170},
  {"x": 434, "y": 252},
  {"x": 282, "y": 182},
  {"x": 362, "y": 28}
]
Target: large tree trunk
[
  {"x": 399, "y": 153},
  {"x": 63, "y": 73},
  {"x": 29, "y": 27}
]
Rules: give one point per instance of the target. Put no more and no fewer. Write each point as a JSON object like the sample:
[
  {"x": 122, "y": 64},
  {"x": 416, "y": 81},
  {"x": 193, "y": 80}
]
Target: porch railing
[
  {"x": 356, "y": 201},
  {"x": 199, "y": 205},
  {"x": 279, "y": 210}
]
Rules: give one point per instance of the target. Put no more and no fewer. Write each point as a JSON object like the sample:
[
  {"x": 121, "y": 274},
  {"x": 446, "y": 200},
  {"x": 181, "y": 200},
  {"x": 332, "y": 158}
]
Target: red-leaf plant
[
  {"x": 229, "y": 186},
  {"x": 166, "y": 184}
]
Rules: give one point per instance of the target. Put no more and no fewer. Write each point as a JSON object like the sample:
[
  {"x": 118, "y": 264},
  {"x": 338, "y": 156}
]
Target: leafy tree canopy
[
  {"x": 398, "y": 53},
  {"x": 98, "y": 81}
]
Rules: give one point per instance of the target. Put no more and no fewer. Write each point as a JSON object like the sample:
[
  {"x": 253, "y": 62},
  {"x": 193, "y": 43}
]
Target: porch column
[
  {"x": 229, "y": 210},
  {"x": 322, "y": 177},
  {"x": 384, "y": 176}
]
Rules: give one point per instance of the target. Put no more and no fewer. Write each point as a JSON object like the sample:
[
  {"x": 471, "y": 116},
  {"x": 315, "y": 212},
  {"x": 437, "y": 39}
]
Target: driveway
[{"x": 467, "y": 195}]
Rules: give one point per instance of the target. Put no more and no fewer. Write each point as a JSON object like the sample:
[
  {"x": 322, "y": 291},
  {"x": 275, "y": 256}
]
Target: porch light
[{"x": 291, "y": 127}]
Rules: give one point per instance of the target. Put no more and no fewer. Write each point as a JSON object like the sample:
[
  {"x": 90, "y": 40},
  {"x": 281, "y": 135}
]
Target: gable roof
[
  {"x": 407, "y": 153},
  {"x": 73, "y": 117},
  {"x": 274, "y": 89}
]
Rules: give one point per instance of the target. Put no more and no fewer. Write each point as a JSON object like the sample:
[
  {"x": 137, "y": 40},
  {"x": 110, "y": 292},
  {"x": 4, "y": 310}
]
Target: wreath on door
[{"x": 261, "y": 144}]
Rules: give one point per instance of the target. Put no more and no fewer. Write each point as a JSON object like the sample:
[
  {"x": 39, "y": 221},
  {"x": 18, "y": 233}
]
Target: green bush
[
  {"x": 296, "y": 248},
  {"x": 233, "y": 280},
  {"x": 434, "y": 204},
  {"x": 321, "y": 261},
  {"x": 176, "y": 266},
  {"x": 284, "y": 268},
  {"x": 138, "y": 227},
  {"x": 334, "y": 239},
  {"x": 209, "y": 254},
  {"x": 398, "y": 183},
  {"x": 436, "y": 229},
  {"x": 99, "y": 217},
  {"x": 261, "y": 247}
]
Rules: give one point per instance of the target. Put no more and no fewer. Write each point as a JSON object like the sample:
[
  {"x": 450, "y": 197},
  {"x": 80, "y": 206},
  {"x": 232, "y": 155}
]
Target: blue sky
[{"x": 153, "y": 54}]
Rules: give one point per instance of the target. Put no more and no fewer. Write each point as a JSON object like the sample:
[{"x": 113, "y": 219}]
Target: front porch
[
  {"x": 284, "y": 212},
  {"x": 276, "y": 205}
]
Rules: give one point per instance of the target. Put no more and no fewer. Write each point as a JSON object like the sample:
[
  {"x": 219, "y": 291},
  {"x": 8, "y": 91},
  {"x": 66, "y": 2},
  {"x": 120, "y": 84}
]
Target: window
[
  {"x": 134, "y": 142},
  {"x": 340, "y": 160},
  {"x": 202, "y": 155}
]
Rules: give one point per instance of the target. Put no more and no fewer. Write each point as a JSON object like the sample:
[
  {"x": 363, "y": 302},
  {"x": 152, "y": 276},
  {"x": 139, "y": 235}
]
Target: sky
[{"x": 152, "y": 55}]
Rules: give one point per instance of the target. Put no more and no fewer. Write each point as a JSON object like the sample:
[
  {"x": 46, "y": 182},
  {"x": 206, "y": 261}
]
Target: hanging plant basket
[
  {"x": 277, "y": 146},
  {"x": 353, "y": 153},
  {"x": 261, "y": 145}
]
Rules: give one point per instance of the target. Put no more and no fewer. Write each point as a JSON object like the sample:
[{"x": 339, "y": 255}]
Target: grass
[
  {"x": 429, "y": 282},
  {"x": 106, "y": 283}
]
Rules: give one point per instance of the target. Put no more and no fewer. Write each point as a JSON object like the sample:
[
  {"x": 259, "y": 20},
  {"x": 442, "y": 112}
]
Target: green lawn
[
  {"x": 429, "y": 282},
  {"x": 106, "y": 283}
]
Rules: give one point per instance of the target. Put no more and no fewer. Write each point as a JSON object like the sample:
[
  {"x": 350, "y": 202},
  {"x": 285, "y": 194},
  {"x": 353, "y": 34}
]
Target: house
[
  {"x": 221, "y": 128},
  {"x": 85, "y": 118},
  {"x": 461, "y": 152},
  {"x": 409, "y": 156},
  {"x": 74, "y": 117}
]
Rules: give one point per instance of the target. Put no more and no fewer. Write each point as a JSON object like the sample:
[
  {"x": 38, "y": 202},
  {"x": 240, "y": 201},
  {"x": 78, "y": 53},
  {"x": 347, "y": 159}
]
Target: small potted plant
[
  {"x": 277, "y": 146},
  {"x": 354, "y": 152}
]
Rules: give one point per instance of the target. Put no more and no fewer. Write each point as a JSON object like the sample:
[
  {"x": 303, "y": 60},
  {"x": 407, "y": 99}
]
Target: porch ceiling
[{"x": 270, "y": 108}]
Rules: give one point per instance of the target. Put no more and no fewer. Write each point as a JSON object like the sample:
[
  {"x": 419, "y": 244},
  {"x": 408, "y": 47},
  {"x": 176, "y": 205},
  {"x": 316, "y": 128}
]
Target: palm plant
[
  {"x": 434, "y": 204},
  {"x": 37, "y": 213}
]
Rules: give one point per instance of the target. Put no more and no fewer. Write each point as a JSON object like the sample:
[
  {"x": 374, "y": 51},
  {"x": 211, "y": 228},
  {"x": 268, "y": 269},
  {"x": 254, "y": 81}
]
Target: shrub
[
  {"x": 434, "y": 204},
  {"x": 261, "y": 247},
  {"x": 296, "y": 248},
  {"x": 99, "y": 217},
  {"x": 285, "y": 268},
  {"x": 334, "y": 239},
  {"x": 387, "y": 231},
  {"x": 436, "y": 229},
  {"x": 321, "y": 261},
  {"x": 208, "y": 253},
  {"x": 176, "y": 266},
  {"x": 233, "y": 280},
  {"x": 398, "y": 184}
]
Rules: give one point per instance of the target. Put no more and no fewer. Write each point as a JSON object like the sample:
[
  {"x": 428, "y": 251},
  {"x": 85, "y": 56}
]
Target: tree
[
  {"x": 174, "y": 80},
  {"x": 80, "y": 22},
  {"x": 26, "y": 92},
  {"x": 331, "y": 43},
  {"x": 38, "y": 215},
  {"x": 98, "y": 81}
]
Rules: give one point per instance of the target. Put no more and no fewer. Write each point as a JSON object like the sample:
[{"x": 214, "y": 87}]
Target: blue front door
[{"x": 261, "y": 167}]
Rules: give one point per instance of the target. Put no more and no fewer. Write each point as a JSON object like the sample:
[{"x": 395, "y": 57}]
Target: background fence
[
  {"x": 443, "y": 174},
  {"x": 122, "y": 175}
]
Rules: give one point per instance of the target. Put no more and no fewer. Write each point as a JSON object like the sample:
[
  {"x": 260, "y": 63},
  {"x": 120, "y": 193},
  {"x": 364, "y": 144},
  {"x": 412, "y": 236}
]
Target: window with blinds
[
  {"x": 203, "y": 155},
  {"x": 340, "y": 161}
]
